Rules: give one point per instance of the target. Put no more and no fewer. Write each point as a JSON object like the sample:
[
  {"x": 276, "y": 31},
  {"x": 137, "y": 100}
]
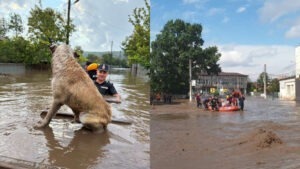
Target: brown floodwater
[
  {"x": 64, "y": 144},
  {"x": 265, "y": 135}
]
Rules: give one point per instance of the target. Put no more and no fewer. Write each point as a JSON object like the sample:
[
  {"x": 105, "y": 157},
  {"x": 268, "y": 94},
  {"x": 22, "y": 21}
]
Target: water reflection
[{"x": 78, "y": 153}]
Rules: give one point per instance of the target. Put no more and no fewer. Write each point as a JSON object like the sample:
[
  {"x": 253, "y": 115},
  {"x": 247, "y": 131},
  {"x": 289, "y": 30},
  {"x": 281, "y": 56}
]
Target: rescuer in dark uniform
[{"x": 105, "y": 87}]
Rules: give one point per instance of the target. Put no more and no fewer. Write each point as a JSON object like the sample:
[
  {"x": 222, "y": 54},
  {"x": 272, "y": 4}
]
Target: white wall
[
  {"x": 297, "y": 57},
  {"x": 287, "y": 89}
]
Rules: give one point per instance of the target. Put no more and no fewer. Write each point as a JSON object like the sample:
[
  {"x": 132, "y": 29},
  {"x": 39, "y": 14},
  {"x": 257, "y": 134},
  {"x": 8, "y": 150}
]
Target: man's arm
[
  {"x": 113, "y": 99},
  {"x": 117, "y": 97}
]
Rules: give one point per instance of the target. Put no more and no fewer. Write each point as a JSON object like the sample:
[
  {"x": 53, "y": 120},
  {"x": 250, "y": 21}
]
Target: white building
[
  {"x": 290, "y": 87},
  {"x": 224, "y": 82},
  {"x": 287, "y": 88},
  {"x": 297, "y": 57}
]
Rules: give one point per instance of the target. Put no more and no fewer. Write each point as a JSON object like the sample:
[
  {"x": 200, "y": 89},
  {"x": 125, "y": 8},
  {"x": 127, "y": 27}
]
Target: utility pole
[
  {"x": 68, "y": 22},
  {"x": 190, "y": 71},
  {"x": 111, "y": 46},
  {"x": 265, "y": 81}
]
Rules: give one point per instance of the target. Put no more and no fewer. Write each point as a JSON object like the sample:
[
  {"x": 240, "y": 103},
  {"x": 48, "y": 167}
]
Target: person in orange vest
[{"x": 91, "y": 69}]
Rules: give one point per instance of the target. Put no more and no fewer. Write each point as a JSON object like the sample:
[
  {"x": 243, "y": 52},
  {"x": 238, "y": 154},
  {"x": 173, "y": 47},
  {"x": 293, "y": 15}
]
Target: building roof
[
  {"x": 225, "y": 74},
  {"x": 287, "y": 78}
]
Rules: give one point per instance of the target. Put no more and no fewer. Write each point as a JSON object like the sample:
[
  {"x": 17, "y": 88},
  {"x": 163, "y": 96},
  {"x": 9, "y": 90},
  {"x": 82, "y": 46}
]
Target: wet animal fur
[{"x": 72, "y": 86}]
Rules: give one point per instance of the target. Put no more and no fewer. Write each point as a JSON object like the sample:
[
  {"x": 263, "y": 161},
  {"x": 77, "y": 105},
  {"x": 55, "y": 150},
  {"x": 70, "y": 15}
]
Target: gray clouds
[
  {"x": 249, "y": 59},
  {"x": 277, "y": 11},
  {"x": 98, "y": 23}
]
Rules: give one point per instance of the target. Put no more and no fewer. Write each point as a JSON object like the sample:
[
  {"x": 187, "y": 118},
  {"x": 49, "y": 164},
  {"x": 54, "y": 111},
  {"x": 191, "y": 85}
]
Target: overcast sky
[
  {"x": 98, "y": 22},
  {"x": 248, "y": 33}
]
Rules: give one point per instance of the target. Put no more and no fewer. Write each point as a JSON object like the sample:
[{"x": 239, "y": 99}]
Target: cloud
[
  {"x": 102, "y": 25},
  {"x": 97, "y": 23},
  {"x": 21, "y": 7},
  {"x": 120, "y": 1},
  {"x": 225, "y": 19},
  {"x": 199, "y": 4},
  {"x": 215, "y": 11},
  {"x": 190, "y": 15},
  {"x": 273, "y": 10},
  {"x": 285, "y": 13},
  {"x": 15, "y": 6},
  {"x": 250, "y": 59},
  {"x": 190, "y": 1},
  {"x": 293, "y": 31},
  {"x": 241, "y": 9}
]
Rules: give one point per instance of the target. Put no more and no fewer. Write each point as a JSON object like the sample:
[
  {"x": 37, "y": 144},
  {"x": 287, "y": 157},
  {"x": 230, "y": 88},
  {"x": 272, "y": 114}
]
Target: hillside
[{"x": 116, "y": 54}]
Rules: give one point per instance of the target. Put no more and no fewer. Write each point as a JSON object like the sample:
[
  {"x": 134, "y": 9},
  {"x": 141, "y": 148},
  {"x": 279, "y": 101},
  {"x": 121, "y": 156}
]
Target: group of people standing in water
[{"x": 213, "y": 102}]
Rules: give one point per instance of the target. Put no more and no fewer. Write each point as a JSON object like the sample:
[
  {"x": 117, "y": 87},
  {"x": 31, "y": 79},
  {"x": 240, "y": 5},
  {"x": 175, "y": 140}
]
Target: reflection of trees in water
[
  {"x": 139, "y": 84},
  {"x": 134, "y": 91},
  {"x": 133, "y": 79},
  {"x": 26, "y": 93},
  {"x": 84, "y": 150},
  {"x": 136, "y": 88}
]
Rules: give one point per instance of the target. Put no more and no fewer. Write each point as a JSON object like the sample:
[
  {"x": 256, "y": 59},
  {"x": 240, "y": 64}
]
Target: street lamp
[
  {"x": 190, "y": 72},
  {"x": 68, "y": 20}
]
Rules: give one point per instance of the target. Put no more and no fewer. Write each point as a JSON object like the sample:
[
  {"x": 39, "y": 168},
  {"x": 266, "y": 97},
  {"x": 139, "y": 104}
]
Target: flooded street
[
  {"x": 265, "y": 135},
  {"x": 64, "y": 144}
]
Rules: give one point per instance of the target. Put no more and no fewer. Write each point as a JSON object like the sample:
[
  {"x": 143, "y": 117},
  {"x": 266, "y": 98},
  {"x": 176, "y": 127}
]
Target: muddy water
[
  {"x": 64, "y": 144},
  {"x": 260, "y": 109},
  {"x": 265, "y": 135}
]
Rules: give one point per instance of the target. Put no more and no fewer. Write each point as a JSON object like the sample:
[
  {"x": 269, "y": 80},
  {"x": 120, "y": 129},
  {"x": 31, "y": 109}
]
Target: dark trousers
[
  {"x": 198, "y": 103},
  {"x": 241, "y": 105}
]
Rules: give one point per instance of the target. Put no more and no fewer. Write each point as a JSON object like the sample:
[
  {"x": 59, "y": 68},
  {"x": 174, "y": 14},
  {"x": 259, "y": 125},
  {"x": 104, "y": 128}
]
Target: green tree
[
  {"x": 6, "y": 54},
  {"x": 205, "y": 60},
  {"x": 250, "y": 86},
  {"x": 15, "y": 50},
  {"x": 107, "y": 58},
  {"x": 123, "y": 63},
  {"x": 79, "y": 52},
  {"x": 3, "y": 28},
  {"x": 177, "y": 43},
  {"x": 39, "y": 54},
  {"x": 46, "y": 26},
  {"x": 273, "y": 86},
  {"x": 93, "y": 58},
  {"x": 136, "y": 46},
  {"x": 260, "y": 81},
  {"x": 20, "y": 48},
  {"x": 111, "y": 60},
  {"x": 16, "y": 24}
]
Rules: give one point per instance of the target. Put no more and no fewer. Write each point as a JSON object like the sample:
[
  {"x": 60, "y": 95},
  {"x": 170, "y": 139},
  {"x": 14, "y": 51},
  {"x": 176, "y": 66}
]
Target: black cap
[{"x": 103, "y": 67}]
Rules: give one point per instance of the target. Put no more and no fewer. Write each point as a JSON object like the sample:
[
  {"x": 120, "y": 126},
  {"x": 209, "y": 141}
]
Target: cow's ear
[{"x": 53, "y": 48}]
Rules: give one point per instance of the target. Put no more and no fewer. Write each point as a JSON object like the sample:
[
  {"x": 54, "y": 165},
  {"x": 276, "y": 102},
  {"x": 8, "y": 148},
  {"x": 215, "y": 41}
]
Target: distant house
[
  {"x": 223, "y": 82},
  {"x": 289, "y": 87},
  {"x": 287, "y": 90}
]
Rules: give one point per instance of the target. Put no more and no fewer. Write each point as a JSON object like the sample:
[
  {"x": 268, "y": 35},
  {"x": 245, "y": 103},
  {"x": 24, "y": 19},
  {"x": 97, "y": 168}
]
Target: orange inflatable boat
[{"x": 229, "y": 108}]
